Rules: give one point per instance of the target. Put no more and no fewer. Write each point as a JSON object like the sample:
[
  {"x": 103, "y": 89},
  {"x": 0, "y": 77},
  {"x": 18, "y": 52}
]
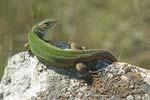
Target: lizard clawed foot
[{"x": 83, "y": 68}]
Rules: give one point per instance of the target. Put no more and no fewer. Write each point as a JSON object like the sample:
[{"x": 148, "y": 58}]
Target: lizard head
[{"x": 43, "y": 27}]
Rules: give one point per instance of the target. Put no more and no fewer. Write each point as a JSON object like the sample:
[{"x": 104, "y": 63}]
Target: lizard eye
[
  {"x": 43, "y": 26},
  {"x": 47, "y": 24}
]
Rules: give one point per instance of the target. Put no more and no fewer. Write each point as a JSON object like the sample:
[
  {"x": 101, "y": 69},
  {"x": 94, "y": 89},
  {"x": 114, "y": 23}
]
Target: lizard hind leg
[
  {"x": 81, "y": 67},
  {"x": 75, "y": 46}
]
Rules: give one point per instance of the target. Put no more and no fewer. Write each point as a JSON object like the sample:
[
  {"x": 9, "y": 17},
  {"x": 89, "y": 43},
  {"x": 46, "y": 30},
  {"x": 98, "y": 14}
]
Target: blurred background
[{"x": 119, "y": 26}]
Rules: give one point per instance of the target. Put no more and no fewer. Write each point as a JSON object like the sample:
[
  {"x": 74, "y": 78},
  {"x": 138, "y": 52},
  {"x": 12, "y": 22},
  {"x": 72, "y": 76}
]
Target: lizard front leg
[{"x": 27, "y": 46}]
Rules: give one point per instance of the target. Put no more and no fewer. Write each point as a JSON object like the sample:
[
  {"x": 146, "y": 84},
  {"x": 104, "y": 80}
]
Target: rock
[
  {"x": 124, "y": 78},
  {"x": 130, "y": 97},
  {"x": 26, "y": 78}
]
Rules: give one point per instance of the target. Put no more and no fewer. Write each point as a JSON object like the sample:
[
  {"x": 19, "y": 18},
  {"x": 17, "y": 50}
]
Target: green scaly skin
[{"x": 60, "y": 57}]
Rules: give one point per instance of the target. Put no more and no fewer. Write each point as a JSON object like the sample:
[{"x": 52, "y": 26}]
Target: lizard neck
[{"x": 36, "y": 30}]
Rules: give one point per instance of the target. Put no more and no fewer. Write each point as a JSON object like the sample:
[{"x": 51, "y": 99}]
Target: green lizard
[{"x": 55, "y": 56}]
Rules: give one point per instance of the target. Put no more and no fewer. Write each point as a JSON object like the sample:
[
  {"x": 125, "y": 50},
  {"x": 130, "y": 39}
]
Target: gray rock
[
  {"x": 25, "y": 78},
  {"x": 130, "y": 97},
  {"x": 137, "y": 97}
]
